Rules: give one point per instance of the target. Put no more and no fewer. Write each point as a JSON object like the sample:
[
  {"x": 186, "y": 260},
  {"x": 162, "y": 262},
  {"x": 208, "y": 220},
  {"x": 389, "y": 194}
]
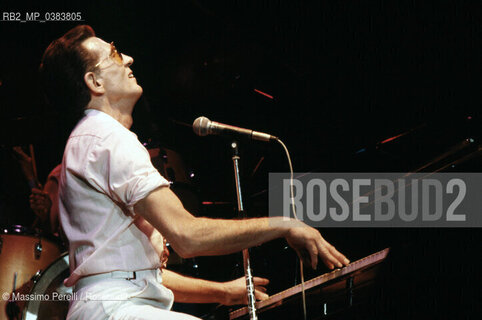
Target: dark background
[{"x": 344, "y": 77}]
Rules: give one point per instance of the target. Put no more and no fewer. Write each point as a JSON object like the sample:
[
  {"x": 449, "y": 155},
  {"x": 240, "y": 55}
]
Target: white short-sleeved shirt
[{"x": 105, "y": 172}]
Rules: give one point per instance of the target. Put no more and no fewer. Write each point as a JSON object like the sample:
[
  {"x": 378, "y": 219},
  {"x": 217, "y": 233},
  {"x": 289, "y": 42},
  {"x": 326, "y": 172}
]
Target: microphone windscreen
[{"x": 201, "y": 125}]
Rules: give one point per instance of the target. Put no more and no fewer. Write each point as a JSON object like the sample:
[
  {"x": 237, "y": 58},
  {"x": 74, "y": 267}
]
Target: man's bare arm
[
  {"x": 193, "y": 290},
  {"x": 192, "y": 236}
]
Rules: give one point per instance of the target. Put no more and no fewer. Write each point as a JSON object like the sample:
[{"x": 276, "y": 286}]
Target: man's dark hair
[{"x": 62, "y": 70}]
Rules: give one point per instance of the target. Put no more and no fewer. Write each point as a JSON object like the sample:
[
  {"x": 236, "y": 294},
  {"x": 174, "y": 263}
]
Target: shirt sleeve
[
  {"x": 55, "y": 174},
  {"x": 120, "y": 166}
]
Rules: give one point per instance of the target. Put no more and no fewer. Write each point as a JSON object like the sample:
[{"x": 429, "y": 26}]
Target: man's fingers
[
  {"x": 309, "y": 245},
  {"x": 329, "y": 260},
  {"x": 260, "y": 295},
  {"x": 333, "y": 256},
  {"x": 339, "y": 256},
  {"x": 314, "y": 261},
  {"x": 313, "y": 251},
  {"x": 258, "y": 281},
  {"x": 309, "y": 256},
  {"x": 262, "y": 289},
  {"x": 36, "y": 200}
]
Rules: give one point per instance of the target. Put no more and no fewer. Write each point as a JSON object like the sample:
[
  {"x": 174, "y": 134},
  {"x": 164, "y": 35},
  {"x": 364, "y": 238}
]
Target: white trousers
[{"x": 143, "y": 298}]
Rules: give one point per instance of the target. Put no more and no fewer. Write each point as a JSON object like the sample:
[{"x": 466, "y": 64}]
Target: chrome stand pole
[{"x": 247, "y": 266}]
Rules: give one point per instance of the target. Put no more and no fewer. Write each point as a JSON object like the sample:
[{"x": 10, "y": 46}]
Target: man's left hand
[{"x": 236, "y": 292}]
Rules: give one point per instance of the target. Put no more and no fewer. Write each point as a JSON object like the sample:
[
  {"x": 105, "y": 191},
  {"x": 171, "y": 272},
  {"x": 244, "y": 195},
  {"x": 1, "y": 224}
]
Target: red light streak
[
  {"x": 392, "y": 138},
  {"x": 263, "y": 93}
]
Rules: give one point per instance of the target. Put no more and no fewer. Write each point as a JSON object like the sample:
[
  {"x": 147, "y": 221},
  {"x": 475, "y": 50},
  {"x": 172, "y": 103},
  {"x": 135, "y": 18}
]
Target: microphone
[{"x": 202, "y": 126}]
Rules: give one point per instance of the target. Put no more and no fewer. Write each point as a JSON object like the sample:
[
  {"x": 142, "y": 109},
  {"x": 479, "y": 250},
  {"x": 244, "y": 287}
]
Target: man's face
[{"x": 117, "y": 79}]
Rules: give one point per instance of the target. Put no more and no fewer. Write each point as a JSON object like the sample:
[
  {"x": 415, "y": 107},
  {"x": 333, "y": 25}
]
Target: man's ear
[{"x": 94, "y": 83}]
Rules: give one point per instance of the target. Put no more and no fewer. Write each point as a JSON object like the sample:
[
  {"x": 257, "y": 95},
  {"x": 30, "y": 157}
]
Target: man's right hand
[
  {"x": 40, "y": 203},
  {"x": 309, "y": 245}
]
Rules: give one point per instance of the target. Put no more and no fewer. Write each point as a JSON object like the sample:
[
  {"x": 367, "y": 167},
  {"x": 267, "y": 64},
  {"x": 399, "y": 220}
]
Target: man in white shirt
[{"x": 114, "y": 205}]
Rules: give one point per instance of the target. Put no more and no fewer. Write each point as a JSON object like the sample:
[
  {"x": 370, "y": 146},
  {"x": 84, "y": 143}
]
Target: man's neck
[{"x": 122, "y": 113}]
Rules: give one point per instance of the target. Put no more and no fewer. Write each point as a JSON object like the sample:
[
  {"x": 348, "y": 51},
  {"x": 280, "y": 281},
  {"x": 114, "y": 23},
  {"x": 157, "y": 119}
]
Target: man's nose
[{"x": 128, "y": 60}]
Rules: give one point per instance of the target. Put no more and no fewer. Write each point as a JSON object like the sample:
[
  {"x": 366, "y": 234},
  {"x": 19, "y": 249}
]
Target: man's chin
[{"x": 138, "y": 92}]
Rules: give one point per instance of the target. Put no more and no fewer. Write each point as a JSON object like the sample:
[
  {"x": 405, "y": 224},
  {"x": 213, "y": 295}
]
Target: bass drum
[
  {"x": 51, "y": 285},
  {"x": 22, "y": 254}
]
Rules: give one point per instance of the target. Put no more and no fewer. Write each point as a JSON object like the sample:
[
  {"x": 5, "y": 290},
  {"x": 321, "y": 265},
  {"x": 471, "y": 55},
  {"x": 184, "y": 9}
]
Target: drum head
[
  {"x": 22, "y": 254},
  {"x": 52, "y": 297}
]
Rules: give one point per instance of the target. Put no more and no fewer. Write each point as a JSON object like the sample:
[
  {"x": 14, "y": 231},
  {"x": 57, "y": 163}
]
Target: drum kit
[{"x": 34, "y": 265}]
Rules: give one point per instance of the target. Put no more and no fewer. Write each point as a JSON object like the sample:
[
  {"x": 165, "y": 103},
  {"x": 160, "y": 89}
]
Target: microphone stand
[{"x": 246, "y": 262}]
